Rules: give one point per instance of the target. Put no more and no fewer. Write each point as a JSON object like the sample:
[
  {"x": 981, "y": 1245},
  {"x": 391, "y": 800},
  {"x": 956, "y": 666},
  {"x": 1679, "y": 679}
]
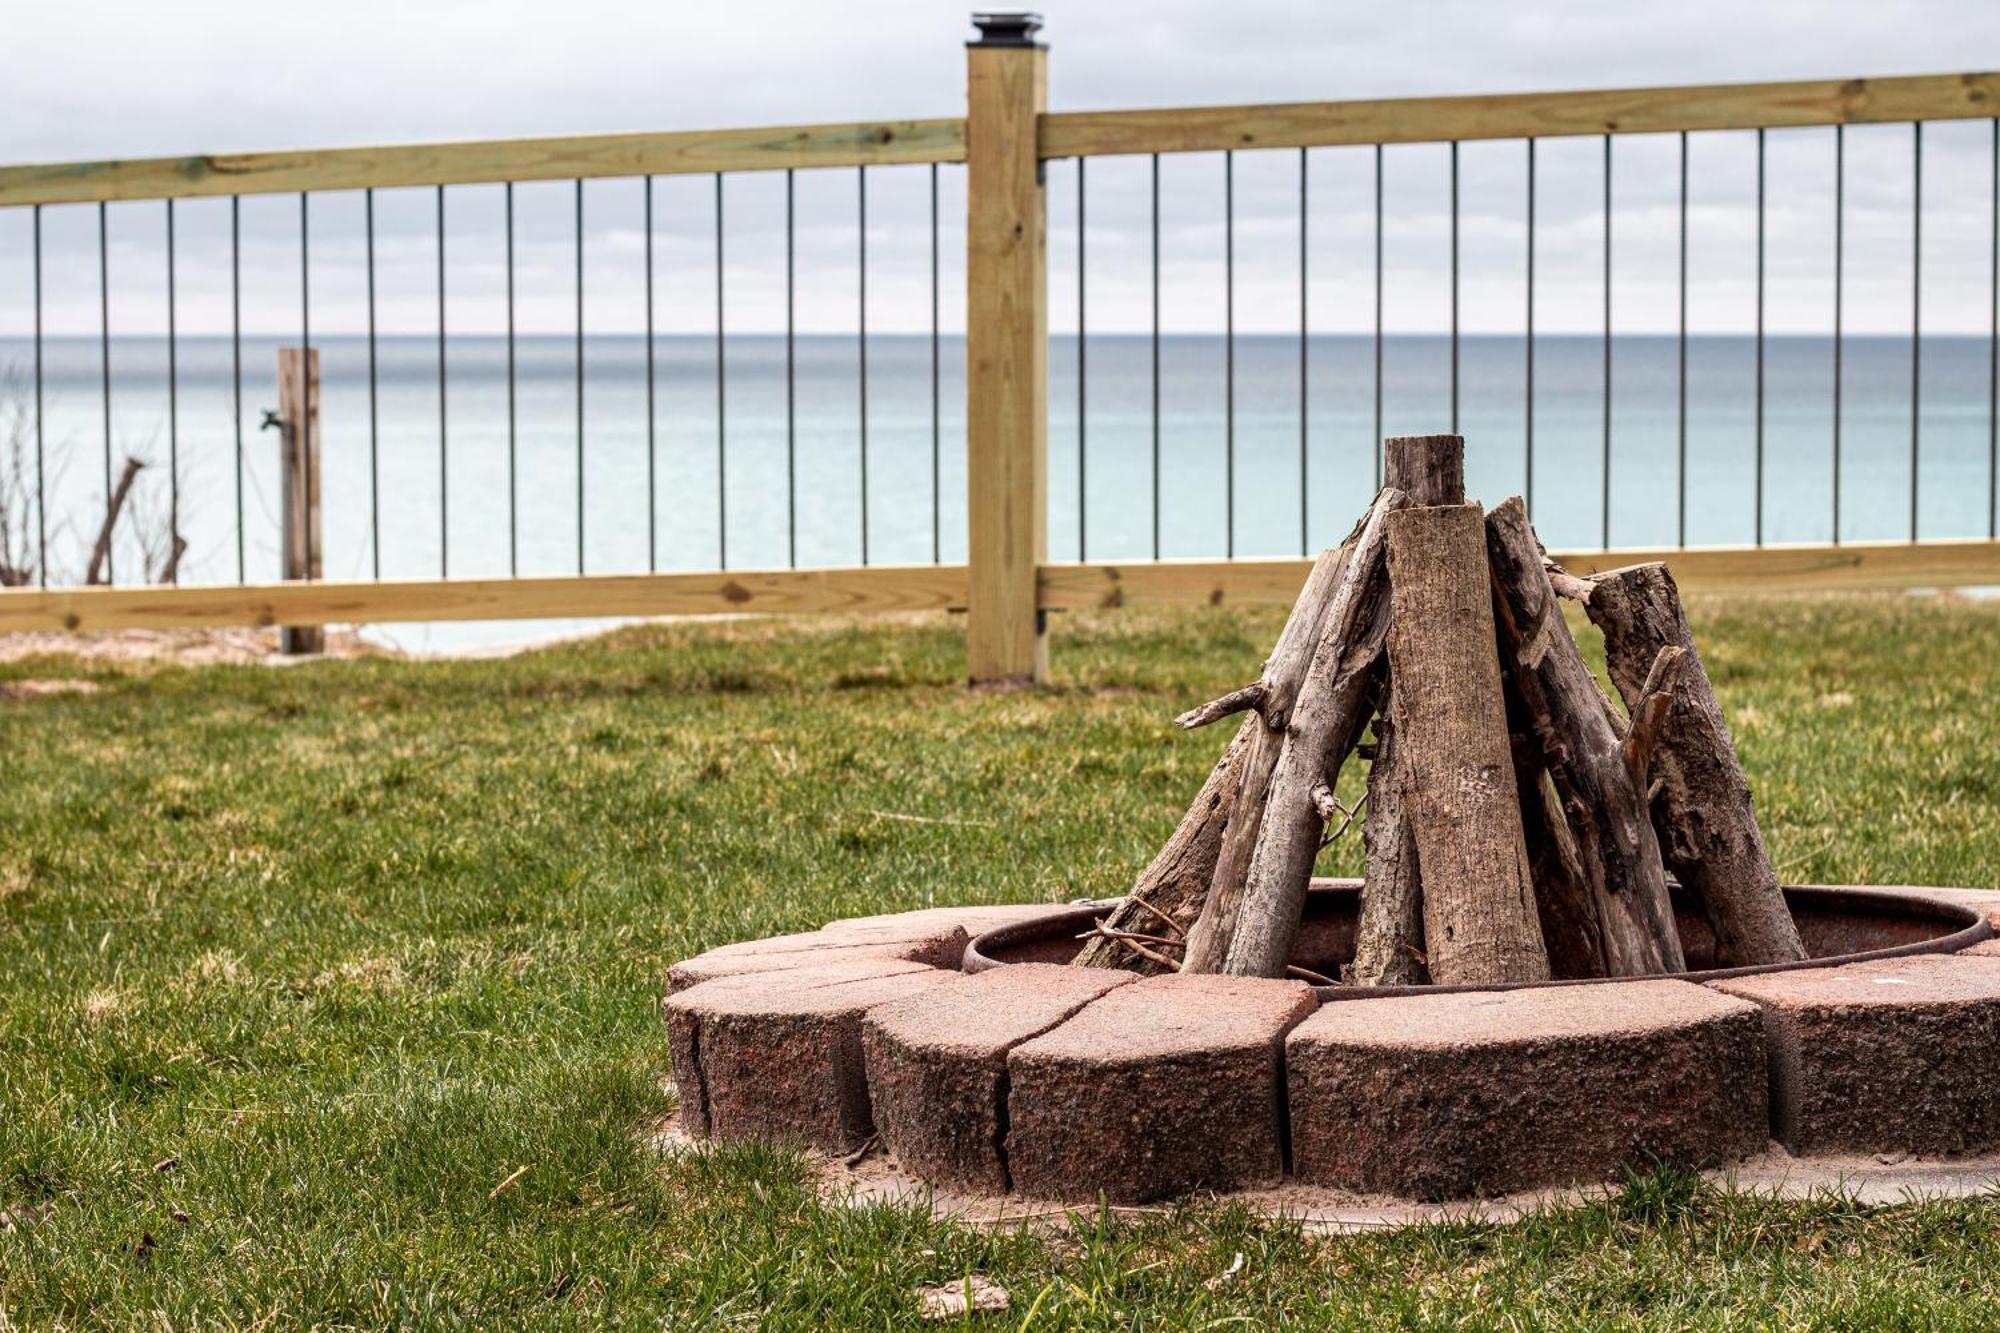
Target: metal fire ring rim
[{"x": 1973, "y": 928}]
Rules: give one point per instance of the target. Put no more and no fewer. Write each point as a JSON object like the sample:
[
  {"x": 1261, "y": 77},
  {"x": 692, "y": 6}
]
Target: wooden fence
[{"x": 1008, "y": 584}]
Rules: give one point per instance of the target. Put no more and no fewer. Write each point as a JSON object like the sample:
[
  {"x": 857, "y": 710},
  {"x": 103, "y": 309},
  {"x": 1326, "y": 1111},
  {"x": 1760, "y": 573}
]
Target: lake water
[{"x": 454, "y": 501}]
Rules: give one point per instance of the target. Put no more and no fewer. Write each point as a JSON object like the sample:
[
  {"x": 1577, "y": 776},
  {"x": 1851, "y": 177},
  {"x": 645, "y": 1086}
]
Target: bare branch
[{"x": 1236, "y": 701}]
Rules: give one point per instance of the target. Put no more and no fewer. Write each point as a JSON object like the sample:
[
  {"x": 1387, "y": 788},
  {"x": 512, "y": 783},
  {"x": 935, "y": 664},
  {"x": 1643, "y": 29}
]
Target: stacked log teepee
[{"x": 1519, "y": 826}]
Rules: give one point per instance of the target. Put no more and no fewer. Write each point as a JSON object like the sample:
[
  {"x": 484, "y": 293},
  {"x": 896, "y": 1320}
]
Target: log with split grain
[
  {"x": 1703, "y": 814},
  {"x": 1581, "y": 742},
  {"x": 1480, "y": 924},
  {"x": 1389, "y": 937},
  {"x": 1283, "y": 677},
  {"x": 1327, "y": 718}
]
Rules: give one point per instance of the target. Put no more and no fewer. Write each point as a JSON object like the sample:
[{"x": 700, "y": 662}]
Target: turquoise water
[{"x": 459, "y": 506}]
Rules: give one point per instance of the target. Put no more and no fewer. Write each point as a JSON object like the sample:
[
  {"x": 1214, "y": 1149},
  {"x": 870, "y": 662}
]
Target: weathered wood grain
[
  {"x": 1658, "y": 110},
  {"x": 1480, "y": 925},
  {"x": 1578, "y": 733},
  {"x": 1704, "y": 815}
]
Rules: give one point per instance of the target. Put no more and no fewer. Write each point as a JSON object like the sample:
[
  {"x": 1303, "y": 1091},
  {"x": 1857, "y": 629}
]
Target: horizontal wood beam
[
  {"x": 877, "y": 588},
  {"x": 1268, "y": 582},
  {"x": 882, "y": 143},
  {"x": 1522, "y": 115},
  {"x": 884, "y": 588}
]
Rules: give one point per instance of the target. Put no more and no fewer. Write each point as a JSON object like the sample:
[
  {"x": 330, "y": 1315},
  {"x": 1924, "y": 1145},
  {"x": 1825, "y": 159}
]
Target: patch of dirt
[
  {"x": 1866, "y": 1180},
  {"x": 12, "y": 690},
  {"x": 185, "y": 647}
]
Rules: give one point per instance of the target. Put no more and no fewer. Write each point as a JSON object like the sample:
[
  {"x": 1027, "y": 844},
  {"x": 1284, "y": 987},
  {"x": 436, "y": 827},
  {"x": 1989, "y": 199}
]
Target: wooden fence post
[
  {"x": 298, "y": 418},
  {"x": 1006, "y": 351}
]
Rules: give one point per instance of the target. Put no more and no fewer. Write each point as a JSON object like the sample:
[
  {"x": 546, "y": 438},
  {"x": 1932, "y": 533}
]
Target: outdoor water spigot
[{"x": 272, "y": 421}]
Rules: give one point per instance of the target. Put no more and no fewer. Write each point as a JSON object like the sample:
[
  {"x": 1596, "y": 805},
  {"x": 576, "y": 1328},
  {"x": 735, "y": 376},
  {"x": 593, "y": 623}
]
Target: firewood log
[
  {"x": 1326, "y": 720},
  {"x": 1446, "y": 708},
  {"x": 1703, "y": 814},
  {"x": 1602, "y": 784},
  {"x": 1168, "y": 896},
  {"x": 1389, "y": 938},
  {"x": 1563, "y": 901}
]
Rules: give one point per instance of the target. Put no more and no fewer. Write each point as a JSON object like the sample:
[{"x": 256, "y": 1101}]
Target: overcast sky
[{"x": 89, "y": 79}]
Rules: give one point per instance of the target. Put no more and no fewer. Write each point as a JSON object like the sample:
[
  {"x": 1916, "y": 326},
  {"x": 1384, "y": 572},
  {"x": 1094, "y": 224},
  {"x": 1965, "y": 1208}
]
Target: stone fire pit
[{"x": 987, "y": 1066}]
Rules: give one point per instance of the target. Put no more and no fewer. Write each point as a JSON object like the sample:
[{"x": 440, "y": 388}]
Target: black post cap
[{"x": 1010, "y": 27}]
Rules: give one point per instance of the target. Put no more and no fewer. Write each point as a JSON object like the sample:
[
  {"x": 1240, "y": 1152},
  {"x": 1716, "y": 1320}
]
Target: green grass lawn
[{"x": 297, "y": 966}]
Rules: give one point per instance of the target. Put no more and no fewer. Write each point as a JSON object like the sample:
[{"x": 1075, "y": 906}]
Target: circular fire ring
[{"x": 984, "y": 1064}]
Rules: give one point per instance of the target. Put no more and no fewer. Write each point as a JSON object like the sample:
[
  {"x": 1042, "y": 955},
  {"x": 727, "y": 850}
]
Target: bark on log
[
  {"x": 1563, "y": 902},
  {"x": 1704, "y": 815},
  {"x": 1168, "y": 895},
  {"x": 1480, "y": 923},
  {"x": 1576, "y": 729},
  {"x": 1430, "y": 469},
  {"x": 1389, "y": 940},
  {"x": 1175, "y": 885},
  {"x": 1331, "y": 710}
]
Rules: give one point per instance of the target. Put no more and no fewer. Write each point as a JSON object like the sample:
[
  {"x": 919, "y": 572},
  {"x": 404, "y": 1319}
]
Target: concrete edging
[{"x": 1052, "y": 1082}]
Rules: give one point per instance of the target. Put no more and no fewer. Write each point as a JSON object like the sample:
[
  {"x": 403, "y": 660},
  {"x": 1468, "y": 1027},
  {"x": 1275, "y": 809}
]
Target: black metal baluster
[
  {"x": 308, "y": 397},
  {"x": 937, "y": 433},
  {"x": 579, "y": 377},
  {"x": 861, "y": 348},
  {"x": 41, "y": 470},
  {"x": 1378, "y": 316},
  {"x": 444, "y": 471},
  {"x": 173, "y": 411},
  {"x": 513, "y": 418},
  {"x": 1082, "y": 433},
  {"x": 1229, "y": 351},
  {"x": 104, "y": 370},
  {"x": 1993, "y": 357},
  {"x": 791, "y": 379},
  {"x": 374, "y": 414},
  {"x": 721, "y": 405},
  {"x": 236, "y": 364},
  {"x": 1304, "y": 542},
  {"x": 1454, "y": 286},
  {"x": 1681, "y": 377},
  {"x": 1839, "y": 290},
  {"x": 652, "y": 412},
  {"x": 1758, "y": 488},
  {"x": 1528, "y": 354},
  {"x": 1605, "y": 519},
  {"x": 1156, "y": 356},
  {"x": 1916, "y": 312}
]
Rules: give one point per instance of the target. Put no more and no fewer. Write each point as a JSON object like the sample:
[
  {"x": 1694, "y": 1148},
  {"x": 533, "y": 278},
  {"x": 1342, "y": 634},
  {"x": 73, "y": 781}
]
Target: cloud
[{"x": 96, "y": 79}]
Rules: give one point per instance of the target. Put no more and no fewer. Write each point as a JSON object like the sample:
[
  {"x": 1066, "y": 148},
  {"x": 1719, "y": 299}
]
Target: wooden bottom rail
[
  {"x": 880, "y": 588},
  {"x": 1262, "y": 582},
  {"x": 876, "y": 588}
]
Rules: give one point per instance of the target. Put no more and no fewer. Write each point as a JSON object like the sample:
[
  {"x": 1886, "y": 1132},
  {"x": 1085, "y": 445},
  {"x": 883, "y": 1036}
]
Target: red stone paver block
[
  {"x": 1161, "y": 1087},
  {"x": 974, "y": 921},
  {"x": 1488, "y": 1092},
  {"x": 937, "y": 1064},
  {"x": 1890, "y": 1056},
  {"x": 931, "y": 944},
  {"x": 776, "y": 1056}
]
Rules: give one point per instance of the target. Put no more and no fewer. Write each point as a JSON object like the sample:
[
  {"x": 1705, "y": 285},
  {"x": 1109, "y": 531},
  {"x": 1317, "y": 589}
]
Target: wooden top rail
[
  {"x": 1062, "y": 135},
  {"x": 887, "y": 143},
  {"x": 1741, "y": 106}
]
